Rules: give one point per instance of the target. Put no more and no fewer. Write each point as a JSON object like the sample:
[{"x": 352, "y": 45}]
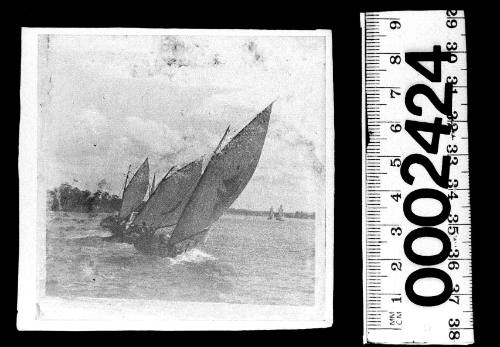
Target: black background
[{"x": 343, "y": 19}]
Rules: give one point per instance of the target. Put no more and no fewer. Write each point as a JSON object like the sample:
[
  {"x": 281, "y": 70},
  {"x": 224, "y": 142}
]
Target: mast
[
  {"x": 126, "y": 179},
  {"x": 222, "y": 139}
]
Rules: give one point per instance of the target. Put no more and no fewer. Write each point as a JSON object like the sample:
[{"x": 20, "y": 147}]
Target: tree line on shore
[{"x": 71, "y": 199}]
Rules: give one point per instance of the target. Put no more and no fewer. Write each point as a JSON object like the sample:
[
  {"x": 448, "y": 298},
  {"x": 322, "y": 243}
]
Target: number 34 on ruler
[{"x": 416, "y": 209}]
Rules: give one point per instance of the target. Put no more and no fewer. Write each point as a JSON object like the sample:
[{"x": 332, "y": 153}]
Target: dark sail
[
  {"x": 165, "y": 204},
  {"x": 225, "y": 177},
  {"x": 136, "y": 190}
]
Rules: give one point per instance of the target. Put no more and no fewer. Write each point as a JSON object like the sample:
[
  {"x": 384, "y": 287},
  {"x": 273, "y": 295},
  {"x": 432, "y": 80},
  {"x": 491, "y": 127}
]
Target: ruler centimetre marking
[{"x": 428, "y": 298}]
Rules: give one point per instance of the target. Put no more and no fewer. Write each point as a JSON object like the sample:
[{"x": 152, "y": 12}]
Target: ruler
[{"x": 416, "y": 208}]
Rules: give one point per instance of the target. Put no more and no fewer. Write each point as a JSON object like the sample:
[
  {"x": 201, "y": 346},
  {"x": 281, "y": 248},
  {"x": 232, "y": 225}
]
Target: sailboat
[
  {"x": 132, "y": 196},
  {"x": 280, "y": 216},
  {"x": 200, "y": 198},
  {"x": 271, "y": 214},
  {"x": 180, "y": 211}
]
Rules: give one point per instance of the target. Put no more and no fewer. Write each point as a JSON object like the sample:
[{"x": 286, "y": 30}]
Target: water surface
[{"x": 246, "y": 260}]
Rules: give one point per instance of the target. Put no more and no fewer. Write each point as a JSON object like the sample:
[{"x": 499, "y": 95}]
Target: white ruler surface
[{"x": 416, "y": 209}]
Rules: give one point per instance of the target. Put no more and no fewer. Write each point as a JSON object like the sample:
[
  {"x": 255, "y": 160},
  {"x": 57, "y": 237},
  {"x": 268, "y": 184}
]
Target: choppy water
[{"x": 247, "y": 260}]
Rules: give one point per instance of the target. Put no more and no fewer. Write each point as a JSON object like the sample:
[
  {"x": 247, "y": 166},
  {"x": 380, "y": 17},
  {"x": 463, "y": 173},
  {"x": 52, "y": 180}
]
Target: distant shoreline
[
  {"x": 245, "y": 212},
  {"x": 231, "y": 211},
  {"x": 67, "y": 198}
]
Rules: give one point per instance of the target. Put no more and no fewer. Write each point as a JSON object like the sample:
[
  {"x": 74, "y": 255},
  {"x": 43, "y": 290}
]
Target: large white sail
[{"x": 225, "y": 177}]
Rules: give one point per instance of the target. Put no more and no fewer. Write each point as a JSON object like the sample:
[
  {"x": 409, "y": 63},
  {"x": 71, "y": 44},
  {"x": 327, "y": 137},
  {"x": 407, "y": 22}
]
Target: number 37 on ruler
[{"x": 416, "y": 209}]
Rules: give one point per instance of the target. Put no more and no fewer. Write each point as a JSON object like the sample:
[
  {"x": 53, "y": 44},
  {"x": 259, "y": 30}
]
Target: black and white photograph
[
  {"x": 250, "y": 175},
  {"x": 176, "y": 179}
]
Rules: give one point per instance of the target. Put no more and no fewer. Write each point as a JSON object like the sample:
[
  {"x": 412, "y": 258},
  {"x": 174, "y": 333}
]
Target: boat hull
[
  {"x": 110, "y": 221},
  {"x": 156, "y": 243}
]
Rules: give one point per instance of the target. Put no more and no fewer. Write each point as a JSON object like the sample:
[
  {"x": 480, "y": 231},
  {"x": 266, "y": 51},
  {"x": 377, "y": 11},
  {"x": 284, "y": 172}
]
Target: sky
[{"x": 110, "y": 101}]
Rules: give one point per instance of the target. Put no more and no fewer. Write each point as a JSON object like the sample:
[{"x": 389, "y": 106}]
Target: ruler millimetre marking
[{"x": 389, "y": 315}]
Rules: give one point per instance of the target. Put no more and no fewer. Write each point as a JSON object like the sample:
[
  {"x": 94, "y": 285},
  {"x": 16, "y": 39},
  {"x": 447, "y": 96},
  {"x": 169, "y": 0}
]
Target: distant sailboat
[
  {"x": 271, "y": 214},
  {"x": 280, "y": 215}
]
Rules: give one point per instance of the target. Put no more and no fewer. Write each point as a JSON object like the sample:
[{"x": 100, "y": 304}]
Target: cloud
[{"x": 157, "y": 136}]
